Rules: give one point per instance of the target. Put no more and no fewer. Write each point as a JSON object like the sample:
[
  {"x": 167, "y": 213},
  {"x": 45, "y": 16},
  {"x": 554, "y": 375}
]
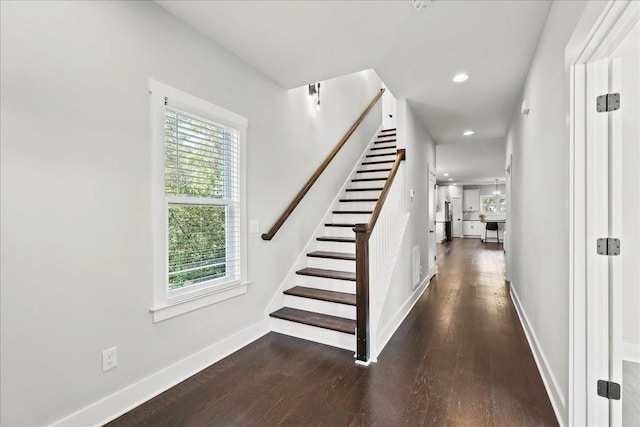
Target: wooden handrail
[
  {"x": 305, "y": 189},
  {"x": 363, "y": 233}
]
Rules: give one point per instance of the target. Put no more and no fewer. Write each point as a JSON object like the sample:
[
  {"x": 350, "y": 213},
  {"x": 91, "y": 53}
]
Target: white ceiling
[
  {"x": 416, "y": 53},
  {"x": 471, "y": 163}
]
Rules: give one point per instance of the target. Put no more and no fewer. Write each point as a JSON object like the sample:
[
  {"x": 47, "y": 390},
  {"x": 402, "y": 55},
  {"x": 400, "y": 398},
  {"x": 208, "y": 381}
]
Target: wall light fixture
[{"x": 314, "y": 92}]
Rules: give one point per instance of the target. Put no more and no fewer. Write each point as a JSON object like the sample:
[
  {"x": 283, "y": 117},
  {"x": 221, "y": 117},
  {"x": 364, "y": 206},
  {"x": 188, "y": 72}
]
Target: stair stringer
[{"x": 333, "y": 338}]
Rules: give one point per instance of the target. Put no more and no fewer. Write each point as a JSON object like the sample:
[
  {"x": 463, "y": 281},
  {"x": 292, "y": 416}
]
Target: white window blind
[{"x": 202, "y": 200}]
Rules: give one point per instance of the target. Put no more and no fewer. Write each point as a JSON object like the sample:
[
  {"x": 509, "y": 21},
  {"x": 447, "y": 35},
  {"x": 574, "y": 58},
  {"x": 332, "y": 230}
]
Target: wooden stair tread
[
  {"x": 374, "y": 170},
  {"x": 384, "y": 148},
  {"x": 359, "y": 200},
  {"x": 387, "y": 130},
  {"x": 378, "y": 162},
  {"x": 382, "y": 141},
  {"x": 339, "y": 239},
  {"x": 332, "y": 255},
  {"x": 329, "y": 274},
  {"x": 365, "y": 189},
  {"x": 352, "y": 212},
  {"x": 334, "y": 323},
  {"x": 382, "y": 155},
  {"x": 368, "y": 179},
  {"x": 322, "y": 295},
  {"x": 336, "y": 224}
]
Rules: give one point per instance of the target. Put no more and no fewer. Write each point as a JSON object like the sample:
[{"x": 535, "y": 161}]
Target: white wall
[
  {"x": 420, "y": 152},
  {"x": 538, "y": 224},
  {"x": 76, "y": 256}
]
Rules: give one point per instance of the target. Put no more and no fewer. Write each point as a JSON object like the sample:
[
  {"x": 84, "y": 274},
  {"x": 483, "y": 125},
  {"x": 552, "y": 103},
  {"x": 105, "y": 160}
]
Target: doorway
[
  {"x": 431, "y": 222},
  {"x": 388, "y": 109},
  {"x": 605, "y": 204},
  {"x": 456, "y": 206}
]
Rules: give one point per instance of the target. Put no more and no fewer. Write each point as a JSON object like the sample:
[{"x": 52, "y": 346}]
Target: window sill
[{"x": 169, "y": 310}]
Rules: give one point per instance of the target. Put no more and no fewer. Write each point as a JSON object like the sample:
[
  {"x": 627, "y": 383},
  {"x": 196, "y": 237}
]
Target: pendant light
[{"x": 496, "y": 192}]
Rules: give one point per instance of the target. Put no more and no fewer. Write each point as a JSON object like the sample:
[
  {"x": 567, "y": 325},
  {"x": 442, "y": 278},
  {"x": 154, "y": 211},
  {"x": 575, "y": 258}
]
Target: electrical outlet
[{"x": 109, "y": 358}]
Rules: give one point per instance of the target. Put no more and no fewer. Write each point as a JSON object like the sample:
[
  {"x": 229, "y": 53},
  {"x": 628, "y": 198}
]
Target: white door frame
[
  {"x": 431, "y": 219},
  {"x": 602, "y": 28},
  {"x": 507, "y": 226}
]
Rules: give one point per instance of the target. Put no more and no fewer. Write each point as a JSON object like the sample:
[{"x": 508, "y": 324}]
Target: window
[
  {"x": 197, "y": 182},
  {"x": 493, "y": 204}
]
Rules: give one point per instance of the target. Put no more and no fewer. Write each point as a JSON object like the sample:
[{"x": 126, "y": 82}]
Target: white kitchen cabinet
[
  {"x": 472, "y": 200},
  {"x": 454, "y": 191},
  {"x": 471, "y": 228}
]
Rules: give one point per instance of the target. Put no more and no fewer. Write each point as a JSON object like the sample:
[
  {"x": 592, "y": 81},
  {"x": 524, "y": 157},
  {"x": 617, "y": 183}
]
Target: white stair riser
[
  {"x": 351, "y": 218},
  {"x": 386, "y": 157},
  {"x": 336, "y": 247},
  {"x": 373, "y": 194},
  {"x": 347, "y": 286},
  {"x": 386, "y": 151},
  {"x": 322, "y": 307},
  {"x": 367, "y": 184},
  {"x": 388, "y": 154},
  {"x": 377, "y": 165},
  {"x": 339, "y": 231},
  {"x": 331, "y": 264},
  {"x": 356, "y": 206},
  {"x": 382, "y": 174},
  {"x": 312, "y": 333}
]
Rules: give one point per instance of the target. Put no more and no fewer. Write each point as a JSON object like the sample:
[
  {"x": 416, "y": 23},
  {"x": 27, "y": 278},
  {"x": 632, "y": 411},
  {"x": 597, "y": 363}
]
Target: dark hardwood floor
[{"x": 460, "y": 358}]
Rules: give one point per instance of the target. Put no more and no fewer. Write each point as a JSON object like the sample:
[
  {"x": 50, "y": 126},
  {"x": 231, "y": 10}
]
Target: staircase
[{"x": 321, "y": 304}]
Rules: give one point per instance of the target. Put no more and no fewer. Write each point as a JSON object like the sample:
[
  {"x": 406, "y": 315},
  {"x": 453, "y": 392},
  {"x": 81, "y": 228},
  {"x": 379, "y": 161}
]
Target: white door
[
  {"x": 613, "y": 211},
  {"x": 456, "y": 206},
  {"x": 431, "y": 222},
  {"x": 624, "y": 211}
]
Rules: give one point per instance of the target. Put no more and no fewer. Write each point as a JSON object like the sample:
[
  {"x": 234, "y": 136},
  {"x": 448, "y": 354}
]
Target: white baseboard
[
  {"x": 390, "y": 328},
  {"x": 122, "y": 401},
  {"x": 550, "y": 383}
]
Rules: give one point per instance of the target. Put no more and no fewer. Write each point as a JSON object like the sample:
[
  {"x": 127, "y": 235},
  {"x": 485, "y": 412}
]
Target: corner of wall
[{"x": 554, "y": 391}]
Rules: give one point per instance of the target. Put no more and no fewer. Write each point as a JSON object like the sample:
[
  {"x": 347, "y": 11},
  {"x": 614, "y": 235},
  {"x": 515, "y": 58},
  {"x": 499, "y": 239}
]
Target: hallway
[{"x": 459, "y": 358}]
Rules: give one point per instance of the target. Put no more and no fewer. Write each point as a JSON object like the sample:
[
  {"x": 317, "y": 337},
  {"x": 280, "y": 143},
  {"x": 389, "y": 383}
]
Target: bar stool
[{"x": 492, "y": 226}]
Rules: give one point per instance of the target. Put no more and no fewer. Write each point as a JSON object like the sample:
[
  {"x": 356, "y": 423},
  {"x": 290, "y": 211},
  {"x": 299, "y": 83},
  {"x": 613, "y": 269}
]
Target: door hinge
[
  {"x": 608, "y": 246},
  {"x": 609, "y": 389},
  {"x": 608, "y": 102}
]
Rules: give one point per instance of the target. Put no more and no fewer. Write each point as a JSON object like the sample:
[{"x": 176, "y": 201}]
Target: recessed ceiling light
[
  {"x": 454, "y": 184},
  {"x": 446, "y": 174},
  {"x": 468, "y": 132},
  {"x": 450, "y": 179},
  {"x": 459, "y": 78}
]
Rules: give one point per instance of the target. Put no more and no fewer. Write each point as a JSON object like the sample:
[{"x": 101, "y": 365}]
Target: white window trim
[{"x": 166, "y": 306}]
